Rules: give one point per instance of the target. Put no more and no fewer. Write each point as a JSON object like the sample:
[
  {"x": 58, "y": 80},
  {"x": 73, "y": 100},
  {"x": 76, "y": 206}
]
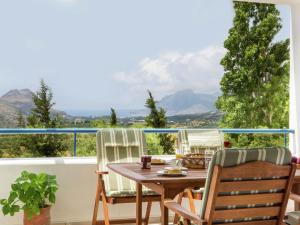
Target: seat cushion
[
  {"x": 128, "y": 193},
  {"x": 293, "y": 218},
  {"x": 119, "y": 146},
  {"x": 199, "y": 140}
]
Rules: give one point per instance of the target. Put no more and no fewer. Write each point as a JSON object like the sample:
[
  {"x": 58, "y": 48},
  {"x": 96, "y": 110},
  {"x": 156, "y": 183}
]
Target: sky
[{"x": 97, "y": 54}]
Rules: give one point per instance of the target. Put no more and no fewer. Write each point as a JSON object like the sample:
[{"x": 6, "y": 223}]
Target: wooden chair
[
  {"x": 201, "y": 141},
  {"x": 244, "y": 187},
  {"x": 117, "y": 146}
]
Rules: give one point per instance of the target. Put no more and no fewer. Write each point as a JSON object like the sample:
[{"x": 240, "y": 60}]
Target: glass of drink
[{"x": 146, "y": 161}]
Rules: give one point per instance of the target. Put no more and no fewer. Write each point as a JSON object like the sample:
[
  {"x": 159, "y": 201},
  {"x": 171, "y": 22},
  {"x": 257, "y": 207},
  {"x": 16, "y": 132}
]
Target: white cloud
[{"x": 172, "y": 71}]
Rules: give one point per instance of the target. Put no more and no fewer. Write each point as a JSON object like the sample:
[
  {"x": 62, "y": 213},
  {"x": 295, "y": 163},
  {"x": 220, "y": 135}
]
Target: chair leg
[
  {"x": 161, "y": 209},
  {"x": 186, "y": 222},
  {"x": 105, "y": 209},
  {"x": 191, "y": 201},
  {"x": 179, "y": 201},
  {"x": 148, "y": 210},
  {"x": 96, "y": 206}
]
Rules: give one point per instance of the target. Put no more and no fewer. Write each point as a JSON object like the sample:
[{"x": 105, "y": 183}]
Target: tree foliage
[
  {"x": 157, "y": 119},
  {"x": 21, "y": 120},
  {"x": 40, "y": 117},
  {"x": 256, "y": 70},
  {"x": 113, "y": 117}
]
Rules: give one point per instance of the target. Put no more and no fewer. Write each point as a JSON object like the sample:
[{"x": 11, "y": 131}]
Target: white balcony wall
[{"x": 75, "y": 197}]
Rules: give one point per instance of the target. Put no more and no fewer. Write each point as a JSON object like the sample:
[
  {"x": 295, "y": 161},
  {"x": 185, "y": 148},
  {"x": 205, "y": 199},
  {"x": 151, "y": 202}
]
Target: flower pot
[{"x": 42, "y": 219}]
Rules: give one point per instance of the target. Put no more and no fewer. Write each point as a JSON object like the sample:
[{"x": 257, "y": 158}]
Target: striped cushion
[
  {"x": 116, "y": 146},
  {"x": 129, "y": 193},
  {"x": 235, "y": 157},
  {"x": 293, "y": 218},
  {"x": 199, "y": 141}
]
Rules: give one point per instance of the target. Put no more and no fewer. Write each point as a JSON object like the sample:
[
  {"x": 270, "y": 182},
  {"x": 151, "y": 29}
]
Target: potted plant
[{"x": 33, "y": 194}]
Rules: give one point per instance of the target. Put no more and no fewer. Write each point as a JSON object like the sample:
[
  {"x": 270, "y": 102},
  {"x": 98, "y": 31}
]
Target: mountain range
[
  {"x": 187, "y": 102},
  {"x": 184, "y": 102},
  {"x": 14, "y": 102}
]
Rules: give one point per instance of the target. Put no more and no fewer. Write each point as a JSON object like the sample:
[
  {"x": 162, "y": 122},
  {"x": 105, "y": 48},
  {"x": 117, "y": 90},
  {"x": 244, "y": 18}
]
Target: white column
[{"x": 295, "y": 79}]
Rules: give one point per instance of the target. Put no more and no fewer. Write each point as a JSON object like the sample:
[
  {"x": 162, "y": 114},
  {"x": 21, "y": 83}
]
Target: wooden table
[{"x": 168, "y": 187}]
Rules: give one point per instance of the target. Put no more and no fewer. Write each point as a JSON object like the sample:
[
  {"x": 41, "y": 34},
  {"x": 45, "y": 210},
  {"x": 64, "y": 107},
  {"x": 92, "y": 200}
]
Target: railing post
[
  {"x": 75, "y": 143},
  {"x": 285, "y": 139}
]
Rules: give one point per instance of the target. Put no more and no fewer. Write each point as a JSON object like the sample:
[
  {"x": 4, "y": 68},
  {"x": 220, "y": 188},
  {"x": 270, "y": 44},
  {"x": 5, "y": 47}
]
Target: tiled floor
[{"x": 289, "y": 208}]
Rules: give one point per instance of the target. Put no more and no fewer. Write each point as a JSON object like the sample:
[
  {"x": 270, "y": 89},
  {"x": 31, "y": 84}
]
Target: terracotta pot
[{"x": 42, "y": 219}]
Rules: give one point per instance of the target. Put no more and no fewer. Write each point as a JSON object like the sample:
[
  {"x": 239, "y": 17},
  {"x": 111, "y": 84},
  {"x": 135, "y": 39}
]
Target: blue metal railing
[{"x": 76, "y": 131}]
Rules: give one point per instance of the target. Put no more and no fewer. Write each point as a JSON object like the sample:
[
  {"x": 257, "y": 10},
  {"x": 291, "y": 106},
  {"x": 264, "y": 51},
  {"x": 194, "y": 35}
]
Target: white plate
[{"x": 164, "y": 173}]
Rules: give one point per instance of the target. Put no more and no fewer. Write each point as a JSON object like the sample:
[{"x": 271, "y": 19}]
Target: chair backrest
[
  {"x": 248, "y": 186},
  {"x": 199, "y": 140},
  {"x": 117, "y": 146}
]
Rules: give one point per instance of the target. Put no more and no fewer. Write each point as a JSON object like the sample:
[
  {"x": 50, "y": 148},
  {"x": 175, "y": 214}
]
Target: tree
[
  {"x": 21, "y": 120},
  {"x": 113, "y": 117},
  {"x": 40, "y": 117},
  {"x": 40, "y": 114},
  {"x": 256, "y": 70},
  {"x": 157, "y": 119}
]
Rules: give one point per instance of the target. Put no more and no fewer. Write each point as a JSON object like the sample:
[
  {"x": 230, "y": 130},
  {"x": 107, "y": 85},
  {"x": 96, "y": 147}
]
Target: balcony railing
[{"x": 75, "y": 131}]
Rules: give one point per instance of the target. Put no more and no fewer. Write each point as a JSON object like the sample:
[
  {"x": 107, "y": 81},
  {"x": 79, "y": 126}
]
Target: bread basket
[{"x": 195, "y": 161}]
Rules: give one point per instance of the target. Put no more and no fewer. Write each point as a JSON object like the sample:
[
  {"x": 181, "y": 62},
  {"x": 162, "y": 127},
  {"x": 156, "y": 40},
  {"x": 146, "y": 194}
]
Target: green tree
[
  {"x": 40, "y": 114},
  {"x": 113, "y": 117},
  {"x": 21, "y": 120},
  {"x": 157, "y": 119},
  {"x": 40, "y": 117},
  {"x": 256, "y": 70}
]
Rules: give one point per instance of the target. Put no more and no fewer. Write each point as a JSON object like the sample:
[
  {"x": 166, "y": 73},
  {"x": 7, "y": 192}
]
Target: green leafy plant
[{"x": 29, "y": 193}]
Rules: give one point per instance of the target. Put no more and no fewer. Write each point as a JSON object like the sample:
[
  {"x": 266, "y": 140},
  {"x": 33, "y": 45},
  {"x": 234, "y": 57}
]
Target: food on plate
[
  {"x": 173, "y": 170},
  {"x": 158, "y": 161}
]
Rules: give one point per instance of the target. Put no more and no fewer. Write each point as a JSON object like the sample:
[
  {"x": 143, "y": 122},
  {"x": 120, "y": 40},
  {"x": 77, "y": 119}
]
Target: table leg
[
  {"x": 139, "y": 204},
  {"x": 296, "y": 190},
  {"x": 164, "y": 211}
]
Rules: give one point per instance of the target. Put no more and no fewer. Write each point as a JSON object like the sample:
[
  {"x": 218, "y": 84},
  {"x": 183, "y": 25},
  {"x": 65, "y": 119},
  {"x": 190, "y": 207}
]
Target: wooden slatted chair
[
  {"x": 197, "y": 141},
  {"x": 117, "y": 146},
  {"x": 244, "y": 187}
]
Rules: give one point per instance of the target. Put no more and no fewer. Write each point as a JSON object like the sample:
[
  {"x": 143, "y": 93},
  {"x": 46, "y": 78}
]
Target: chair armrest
[
  {"x": 295, "y": 197},
  {"x": 101, "y": 172},
  {"x": 178, "y": 209}
]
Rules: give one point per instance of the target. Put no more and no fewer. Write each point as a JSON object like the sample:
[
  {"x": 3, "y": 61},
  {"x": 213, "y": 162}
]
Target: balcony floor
[{"x": 290, "y": 208}]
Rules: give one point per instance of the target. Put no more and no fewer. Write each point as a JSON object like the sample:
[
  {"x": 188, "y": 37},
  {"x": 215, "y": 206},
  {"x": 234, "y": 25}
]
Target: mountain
[
  {"x": 16, "y": 101},
  {"x": 187, "y": 102},
  {"x": 19, "y": 99}
]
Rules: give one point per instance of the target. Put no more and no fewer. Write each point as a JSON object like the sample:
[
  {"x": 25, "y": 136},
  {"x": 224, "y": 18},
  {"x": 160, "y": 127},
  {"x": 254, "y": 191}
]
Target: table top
[{"x": 133, "y": 171}]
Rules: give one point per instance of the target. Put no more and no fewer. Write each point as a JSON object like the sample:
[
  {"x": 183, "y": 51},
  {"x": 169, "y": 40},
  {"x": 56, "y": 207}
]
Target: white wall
[{"x": 77, "y": 185}]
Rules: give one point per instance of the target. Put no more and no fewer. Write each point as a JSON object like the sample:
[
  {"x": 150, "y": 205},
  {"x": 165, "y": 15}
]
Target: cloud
[{"x": 172, "y": 71}]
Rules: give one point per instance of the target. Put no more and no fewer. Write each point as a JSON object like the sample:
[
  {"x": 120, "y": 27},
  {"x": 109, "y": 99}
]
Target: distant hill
[
  {"x": 214, "y": 115},
  {"x": 188, "y": 102},
  {"x": 19, "y": 100},
  {"x": 14, "y": 101},
  {"x": 185, "y": 102}
]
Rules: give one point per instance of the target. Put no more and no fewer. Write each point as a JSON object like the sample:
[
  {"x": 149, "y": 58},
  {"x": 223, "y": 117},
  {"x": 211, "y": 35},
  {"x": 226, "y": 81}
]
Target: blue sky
[{"x": 97, "y": 54}]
